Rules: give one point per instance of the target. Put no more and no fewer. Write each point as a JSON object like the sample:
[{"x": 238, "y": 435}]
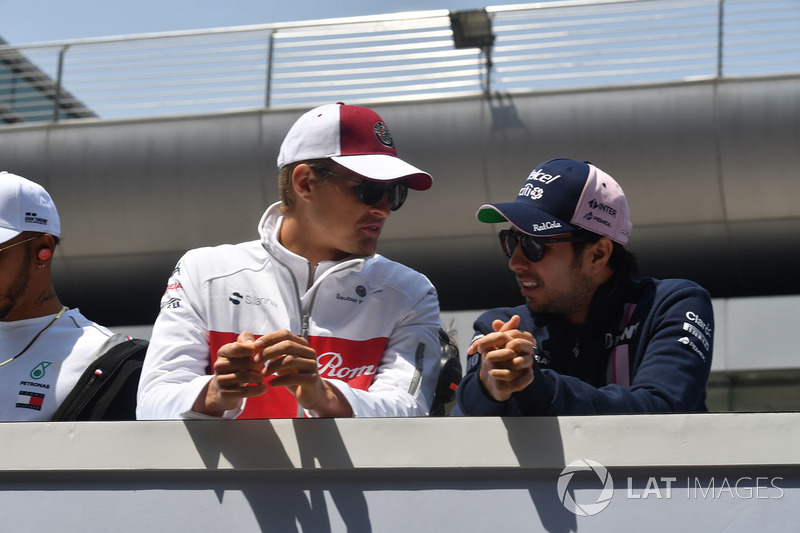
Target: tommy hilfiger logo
[
  {"x": 30, "y": 400},
  {"x": 32, "y": 218}
]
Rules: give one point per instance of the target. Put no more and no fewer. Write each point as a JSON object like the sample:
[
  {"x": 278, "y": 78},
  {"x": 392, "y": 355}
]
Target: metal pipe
[
  {"x": 720, "y": 37},
  {"x": 270, "y": 48},
  {"x": 57, "y": 95}
]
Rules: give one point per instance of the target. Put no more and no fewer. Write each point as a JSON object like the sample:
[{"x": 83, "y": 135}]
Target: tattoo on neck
[{"x": 43, "y": 298}]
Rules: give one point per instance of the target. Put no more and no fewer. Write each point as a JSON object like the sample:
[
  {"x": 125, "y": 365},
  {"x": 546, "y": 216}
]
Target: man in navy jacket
[{"x": 590, "y": 338}]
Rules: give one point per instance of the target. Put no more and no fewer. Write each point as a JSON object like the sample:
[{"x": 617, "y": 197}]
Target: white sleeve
[
  {"x": 176, "y": 367},
  {"x": 405, "y": 381}
]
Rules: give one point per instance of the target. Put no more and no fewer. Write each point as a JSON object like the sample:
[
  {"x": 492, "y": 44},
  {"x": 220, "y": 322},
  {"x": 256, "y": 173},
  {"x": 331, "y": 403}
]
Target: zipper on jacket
[
  {"x": 304, "y": 318},
  {"x": 305, "y": 312}
]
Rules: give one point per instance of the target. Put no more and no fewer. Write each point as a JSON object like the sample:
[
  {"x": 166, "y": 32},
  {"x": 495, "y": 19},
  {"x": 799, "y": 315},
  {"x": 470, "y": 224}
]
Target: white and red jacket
[{"x": 372, "y": 322}]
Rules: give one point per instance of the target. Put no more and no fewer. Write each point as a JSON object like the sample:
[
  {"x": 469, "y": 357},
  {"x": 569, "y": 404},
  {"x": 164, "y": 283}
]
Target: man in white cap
[
  {"x": 45, "y": 347},
  {"x": 590, "y": 338},
  {"x": 308, "y": 321}
]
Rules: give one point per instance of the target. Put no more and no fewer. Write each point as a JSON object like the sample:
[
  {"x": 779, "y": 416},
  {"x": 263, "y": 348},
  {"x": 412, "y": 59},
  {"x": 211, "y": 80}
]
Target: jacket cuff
[
  {"x": 198, "y": 385},
  {"x": 348, "y": 394},
  {"x": 537, "y": 398},
  {"x": 474, "y": 400}
]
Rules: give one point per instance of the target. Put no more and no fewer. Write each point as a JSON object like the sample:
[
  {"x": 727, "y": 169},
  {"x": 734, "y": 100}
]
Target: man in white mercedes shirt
[
  {"x": 44, "y": 346},
  {"x": 308, "y": 321}
]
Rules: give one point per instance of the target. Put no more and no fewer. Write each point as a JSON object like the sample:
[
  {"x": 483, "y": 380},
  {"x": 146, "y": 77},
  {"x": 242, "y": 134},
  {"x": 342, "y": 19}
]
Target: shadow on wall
[{"x": 299, "y": 503}]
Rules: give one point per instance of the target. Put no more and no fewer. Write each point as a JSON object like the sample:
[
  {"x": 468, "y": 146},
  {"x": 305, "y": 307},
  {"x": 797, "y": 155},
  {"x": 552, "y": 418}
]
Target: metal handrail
[{"x": 548, "y": 46}]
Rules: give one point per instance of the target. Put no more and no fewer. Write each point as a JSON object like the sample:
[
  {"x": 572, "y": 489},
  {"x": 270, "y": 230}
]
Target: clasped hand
[
  {"x": 507, "y": 358},
  {"x": 241, "y": 367}
]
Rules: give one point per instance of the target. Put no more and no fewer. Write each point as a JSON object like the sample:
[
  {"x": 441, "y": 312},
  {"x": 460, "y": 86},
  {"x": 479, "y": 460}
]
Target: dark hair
[{"x": 622, "y": 262}]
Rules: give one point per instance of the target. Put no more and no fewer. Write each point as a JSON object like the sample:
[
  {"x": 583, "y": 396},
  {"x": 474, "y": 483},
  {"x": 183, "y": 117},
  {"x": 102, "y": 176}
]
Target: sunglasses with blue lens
[
  {"x": 532, "y": 247},
  {"x": 371, "y": 192}
]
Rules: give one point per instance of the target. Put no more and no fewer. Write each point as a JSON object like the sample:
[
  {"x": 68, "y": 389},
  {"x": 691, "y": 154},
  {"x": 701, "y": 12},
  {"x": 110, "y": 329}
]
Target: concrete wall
[{"x": 709, "y": 472}]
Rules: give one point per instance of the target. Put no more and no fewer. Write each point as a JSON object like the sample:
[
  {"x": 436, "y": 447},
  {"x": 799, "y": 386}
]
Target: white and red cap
[
  {"x": 25, "y": 206},
  {"x": 561, "y": 195},
  {"x": 356, "y": 138}
]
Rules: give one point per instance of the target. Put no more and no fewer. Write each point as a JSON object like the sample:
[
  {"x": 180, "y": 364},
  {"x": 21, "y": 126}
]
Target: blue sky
[{"x": 29, "y": 21}]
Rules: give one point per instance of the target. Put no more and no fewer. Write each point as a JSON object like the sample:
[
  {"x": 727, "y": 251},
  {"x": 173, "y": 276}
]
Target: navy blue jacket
[{"x": 645, "y": 348}]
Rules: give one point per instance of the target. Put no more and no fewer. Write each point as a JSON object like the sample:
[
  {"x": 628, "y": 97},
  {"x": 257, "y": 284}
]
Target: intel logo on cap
[{"x": 538, "y": 175}]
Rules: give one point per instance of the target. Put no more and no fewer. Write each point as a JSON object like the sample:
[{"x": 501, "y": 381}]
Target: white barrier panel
[{"x": 713, "y": 472}]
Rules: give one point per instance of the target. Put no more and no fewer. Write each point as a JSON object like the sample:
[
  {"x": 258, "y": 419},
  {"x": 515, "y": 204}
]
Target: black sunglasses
[
  {"x": 532, "y": 247},
  {"x": 371, "y": 192}
]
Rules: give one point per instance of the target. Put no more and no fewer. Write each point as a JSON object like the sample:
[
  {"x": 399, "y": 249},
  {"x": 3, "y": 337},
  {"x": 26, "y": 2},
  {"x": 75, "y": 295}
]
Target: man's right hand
[
  {"x": 507, "y": 359},
  {"x": 237, "y": 375}
]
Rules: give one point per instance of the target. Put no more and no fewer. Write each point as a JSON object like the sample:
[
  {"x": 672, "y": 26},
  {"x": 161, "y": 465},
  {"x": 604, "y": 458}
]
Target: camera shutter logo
[{"x": 585, "y": 509}]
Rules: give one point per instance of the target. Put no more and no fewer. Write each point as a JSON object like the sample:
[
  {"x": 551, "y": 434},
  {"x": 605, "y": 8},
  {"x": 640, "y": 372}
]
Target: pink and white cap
[
  {"x": 356, "y": 138},
  {"x": 602, "y": 207},
  {"x": 25, "y": 206}
]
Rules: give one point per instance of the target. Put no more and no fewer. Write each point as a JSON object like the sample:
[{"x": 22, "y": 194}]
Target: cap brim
[
  {"x": 381, "y": 167},
  {"x": 524, "y": 217},
  {"x": 7, "y": 234}
]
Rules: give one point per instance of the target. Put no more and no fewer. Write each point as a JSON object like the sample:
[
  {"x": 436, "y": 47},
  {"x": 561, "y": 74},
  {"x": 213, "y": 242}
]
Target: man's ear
[
  {"x": 600, "y": 253},
  {"x": 301, "y": 181}
]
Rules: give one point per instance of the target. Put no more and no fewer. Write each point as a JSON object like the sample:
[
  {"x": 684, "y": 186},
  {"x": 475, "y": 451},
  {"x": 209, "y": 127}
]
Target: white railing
[{"x": 411, "y": 56}]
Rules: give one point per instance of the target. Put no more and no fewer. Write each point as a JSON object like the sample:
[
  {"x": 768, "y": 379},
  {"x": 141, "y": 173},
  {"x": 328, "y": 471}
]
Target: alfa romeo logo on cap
[{"x": 382, "y": 133}]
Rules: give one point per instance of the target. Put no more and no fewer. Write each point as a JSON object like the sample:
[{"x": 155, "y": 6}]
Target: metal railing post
[
  {"x": 268, "y": 88},
  {"x": 720, "y": 37},
  {"x": 57, "y": 95},
  {"x": 487, "y": 54}
]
